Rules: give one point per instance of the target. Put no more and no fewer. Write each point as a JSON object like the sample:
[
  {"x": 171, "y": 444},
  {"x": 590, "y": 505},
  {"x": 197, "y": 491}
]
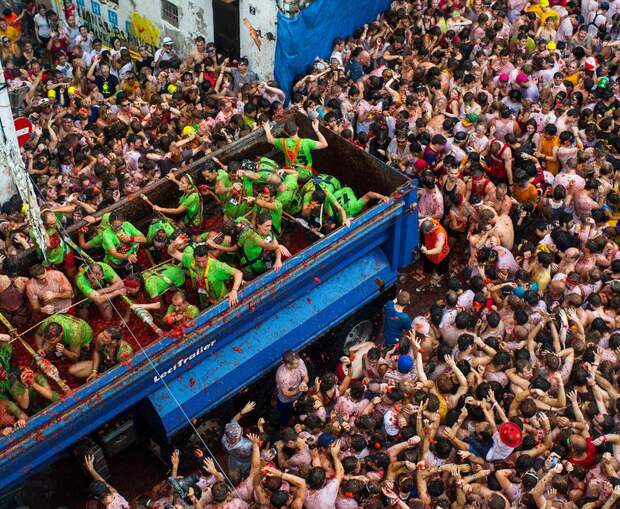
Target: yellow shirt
[{"x": 10, "y": 32}]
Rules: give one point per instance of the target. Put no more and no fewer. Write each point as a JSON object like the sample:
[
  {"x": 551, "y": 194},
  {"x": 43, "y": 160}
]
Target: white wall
[
  {"x": 195, "y": 18},
  {"x": 262, "y": 15}
]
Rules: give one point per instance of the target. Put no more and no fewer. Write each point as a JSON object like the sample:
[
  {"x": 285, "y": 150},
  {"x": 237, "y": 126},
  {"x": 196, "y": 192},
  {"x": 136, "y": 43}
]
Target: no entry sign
[{"x": 23, "y": 128}]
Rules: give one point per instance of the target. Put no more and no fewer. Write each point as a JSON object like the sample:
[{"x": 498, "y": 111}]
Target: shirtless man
[
  {"x": 501, "y": 202},
  {"x": 502, "y": 225}
]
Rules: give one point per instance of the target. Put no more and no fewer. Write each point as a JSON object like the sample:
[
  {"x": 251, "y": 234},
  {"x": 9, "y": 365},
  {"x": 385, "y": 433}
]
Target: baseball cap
[
  {"x": 510, "y": 434},
  {"x": 544, "y": 3},
  {"x": 167, "y": 40},
  {"x": 325, "y": 440},
  {"x": 405, "y": 363},
  {"x": 504, "y": 77}
]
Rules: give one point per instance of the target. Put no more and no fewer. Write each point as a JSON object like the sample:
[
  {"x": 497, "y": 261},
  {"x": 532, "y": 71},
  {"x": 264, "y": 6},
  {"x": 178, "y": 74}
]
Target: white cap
[{"x": 167, "y": 40}]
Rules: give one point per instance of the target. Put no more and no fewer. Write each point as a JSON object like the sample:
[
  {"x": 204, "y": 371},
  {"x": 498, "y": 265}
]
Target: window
[{"x": 170, "y": 13}]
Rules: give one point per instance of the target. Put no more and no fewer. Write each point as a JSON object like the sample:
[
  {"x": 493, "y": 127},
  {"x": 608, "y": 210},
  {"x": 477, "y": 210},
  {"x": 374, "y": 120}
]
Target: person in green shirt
[
  {"x": 31, "y": 391},
  {"x": 63, "y": 335},
  {"x": 96, "y": 241},
  {"x": 297, "y": 151},
  {"x": 100, "y": 283},
  {"x": 157, "y": 237},
  {"x": 180, "y": 312},
  {"x": 266, "y": 201},
  {"x": 260, "y": 250},
  {"x": 121, "y": 242},
  {"x": 231, "y": 187},
  {"x": 160, "y": 279},
  {"x": 110, "y": 349},
  {"x": 57, "y": 251},
  {"x": 190, "y": 203},
  {"x": 210, "y": 276},
  {"x": 288, "y": 193},
  {"x": 320, "y": 207},
  {"x": 353, "y": 205}
]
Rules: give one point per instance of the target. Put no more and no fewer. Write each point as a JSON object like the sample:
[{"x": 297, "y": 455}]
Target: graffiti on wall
[
  {"x": 103, "y": 21},
  {"x": 144, "y": 30}
]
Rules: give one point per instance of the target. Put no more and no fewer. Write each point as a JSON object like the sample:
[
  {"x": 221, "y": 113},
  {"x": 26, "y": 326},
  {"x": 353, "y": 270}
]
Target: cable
[{"x": 154, "y": 368}]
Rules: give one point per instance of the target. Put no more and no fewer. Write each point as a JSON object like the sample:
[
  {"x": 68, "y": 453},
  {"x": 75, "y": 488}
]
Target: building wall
[
  {"x": 262, "y": 14},
  {"x": 140, "y": 22}
]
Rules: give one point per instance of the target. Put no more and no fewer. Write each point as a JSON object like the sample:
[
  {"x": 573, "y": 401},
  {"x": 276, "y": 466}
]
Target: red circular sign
[{"x": 23, "y": 128}]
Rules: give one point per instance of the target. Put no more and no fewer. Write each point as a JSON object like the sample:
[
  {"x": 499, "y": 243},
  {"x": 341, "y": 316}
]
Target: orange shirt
[
  {"x": 11, "y": 18},
  {"x": 525, "y": 194},
  {"x": 546, "y": 147}
]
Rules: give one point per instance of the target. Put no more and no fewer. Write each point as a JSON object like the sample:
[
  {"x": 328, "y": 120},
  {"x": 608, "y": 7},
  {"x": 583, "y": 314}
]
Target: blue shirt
[
  {"x": 394, "y": 323},
  {"x": 355, "y": 70}
]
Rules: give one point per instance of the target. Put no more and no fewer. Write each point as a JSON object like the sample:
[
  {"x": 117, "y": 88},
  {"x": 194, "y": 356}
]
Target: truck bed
[{"x": 175, "y": 379}]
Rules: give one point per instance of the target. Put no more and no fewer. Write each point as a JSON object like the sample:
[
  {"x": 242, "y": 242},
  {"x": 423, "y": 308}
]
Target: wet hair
[
  {"x": 350, "y": 464},
  {"x": 316, "y": 478}
]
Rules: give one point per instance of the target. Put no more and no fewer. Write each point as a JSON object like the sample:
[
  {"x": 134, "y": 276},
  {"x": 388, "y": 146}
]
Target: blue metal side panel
[
  {"x": 59, "y": 426},
  {"x": 246, "y": 358}
]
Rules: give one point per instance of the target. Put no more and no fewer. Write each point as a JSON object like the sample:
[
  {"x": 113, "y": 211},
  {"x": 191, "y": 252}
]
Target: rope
[
  {"x": 154, "y": 368},
  {"x": 61, "y": 311}
]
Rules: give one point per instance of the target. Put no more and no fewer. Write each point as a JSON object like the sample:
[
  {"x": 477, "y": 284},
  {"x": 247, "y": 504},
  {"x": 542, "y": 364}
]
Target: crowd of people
[{"x": 504, "y": 393}]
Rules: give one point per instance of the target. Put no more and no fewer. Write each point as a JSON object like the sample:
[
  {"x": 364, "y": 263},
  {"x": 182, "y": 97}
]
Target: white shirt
[
  {"x": 498, "y": 451},
  {"x": 43, "y": 26}
]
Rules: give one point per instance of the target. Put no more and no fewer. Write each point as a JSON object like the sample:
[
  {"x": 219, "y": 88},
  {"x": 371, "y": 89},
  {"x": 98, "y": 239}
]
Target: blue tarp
[{"x": 312, "y": 32}]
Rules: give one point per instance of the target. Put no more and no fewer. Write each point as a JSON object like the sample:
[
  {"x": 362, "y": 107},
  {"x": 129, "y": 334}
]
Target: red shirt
[{"x": 588, "y": 461}]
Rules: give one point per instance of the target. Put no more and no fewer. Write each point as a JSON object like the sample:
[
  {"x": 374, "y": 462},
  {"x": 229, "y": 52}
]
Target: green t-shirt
[
  {"x": 276, "y": 215},
  {"x": 290, "y": 198},
  {"x": 324, "y": 181},
  {"x": 159, "y": 280},
  {"x": 209, "y": 281},
  {"x": 56, "y": 253},
  {"x": 84, "y": 284},
  {"x": 111, "y": 241},
  {"x": 304, "y": 149},
  {"x": 329, "y": 202},
  {"x": 191, "y": 310},
  {"x": 76, "y": 331},
  {"x": 267, "y": 165},
  {"x": 351, "y": 204},
  {"x": 253, "y": 256},
  {"x": 224, "y": 178},
  {"x": 193, "y": 213},
  {"x": 155, "y": 226}
]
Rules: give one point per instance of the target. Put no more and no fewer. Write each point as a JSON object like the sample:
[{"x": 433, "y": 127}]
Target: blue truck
[{"x": 174, "y": 380}]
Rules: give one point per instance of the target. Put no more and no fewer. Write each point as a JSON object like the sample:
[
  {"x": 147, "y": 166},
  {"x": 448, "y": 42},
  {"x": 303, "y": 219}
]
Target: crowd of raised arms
[{"x": 503, "y": 394}]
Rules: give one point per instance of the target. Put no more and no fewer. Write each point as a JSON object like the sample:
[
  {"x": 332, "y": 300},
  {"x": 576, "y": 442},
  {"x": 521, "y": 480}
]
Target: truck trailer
[{"x": 176, "y": 379}]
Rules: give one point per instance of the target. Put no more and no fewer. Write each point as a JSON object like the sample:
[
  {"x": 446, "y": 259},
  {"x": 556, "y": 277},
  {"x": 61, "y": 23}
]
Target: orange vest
[{"x": 430, "y": 241}]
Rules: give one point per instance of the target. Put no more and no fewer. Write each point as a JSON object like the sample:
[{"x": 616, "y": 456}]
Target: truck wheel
[{"x": 356, "y": 330}]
